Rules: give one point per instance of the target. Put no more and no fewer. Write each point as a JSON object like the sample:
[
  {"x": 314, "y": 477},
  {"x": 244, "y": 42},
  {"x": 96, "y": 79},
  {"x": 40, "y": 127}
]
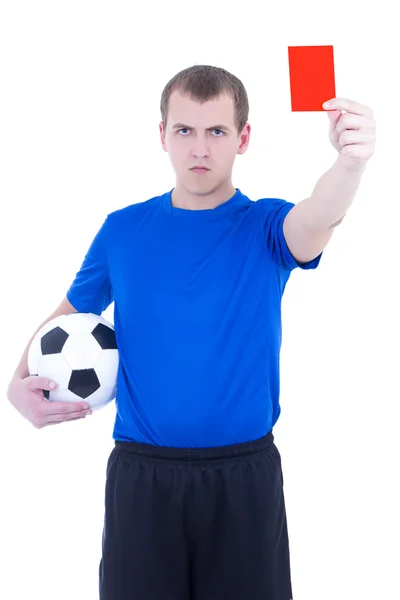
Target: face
[{"x": 206, "y": 135}]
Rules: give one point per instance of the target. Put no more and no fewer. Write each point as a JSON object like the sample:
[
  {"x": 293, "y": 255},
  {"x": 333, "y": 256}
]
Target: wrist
[{"x": 347, "y": 165}]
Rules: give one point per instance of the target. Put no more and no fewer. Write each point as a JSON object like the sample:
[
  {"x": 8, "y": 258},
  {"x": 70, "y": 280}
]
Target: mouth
[{"x": 199, "y": 169}]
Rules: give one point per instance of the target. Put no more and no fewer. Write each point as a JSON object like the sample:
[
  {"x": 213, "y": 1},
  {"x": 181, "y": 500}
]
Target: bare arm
[
  {"x": 22, "y": 370},
  {"x": 310, "y": 224}
]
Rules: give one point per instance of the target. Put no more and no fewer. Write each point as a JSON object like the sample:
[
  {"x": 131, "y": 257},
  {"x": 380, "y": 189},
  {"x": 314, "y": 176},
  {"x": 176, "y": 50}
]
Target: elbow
[{"x": 337, "y": 222}]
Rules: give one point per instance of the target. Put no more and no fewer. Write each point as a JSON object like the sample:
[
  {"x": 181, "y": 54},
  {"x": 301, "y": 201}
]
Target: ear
[
  {"x": 244, "y": 139},
  {"x": 162, "y": 136}
]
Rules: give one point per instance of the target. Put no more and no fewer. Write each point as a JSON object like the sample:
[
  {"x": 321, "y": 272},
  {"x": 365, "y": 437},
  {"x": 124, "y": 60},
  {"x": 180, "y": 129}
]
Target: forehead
[{"x": 193, "y": 113}]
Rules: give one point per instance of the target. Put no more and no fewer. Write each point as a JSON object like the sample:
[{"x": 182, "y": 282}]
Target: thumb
[
  {"x": 41, "y": 383},
  {"x": 334, "y": 116}
]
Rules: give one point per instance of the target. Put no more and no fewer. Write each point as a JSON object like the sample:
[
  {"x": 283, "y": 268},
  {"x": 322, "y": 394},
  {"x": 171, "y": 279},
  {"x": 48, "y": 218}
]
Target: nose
[{"x": 200, "y": 148}]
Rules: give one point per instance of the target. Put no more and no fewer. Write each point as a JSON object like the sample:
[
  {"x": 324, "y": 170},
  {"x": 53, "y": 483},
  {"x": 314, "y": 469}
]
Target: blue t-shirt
[{"x": 197, "y": 316}]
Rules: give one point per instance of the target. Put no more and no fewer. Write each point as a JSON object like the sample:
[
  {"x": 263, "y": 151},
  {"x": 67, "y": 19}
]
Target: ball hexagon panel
[
  {"x": 106, "y": 367},
  {"x": 81, "y": 351},
  {"x": 102, "y": 396},
  {"x": 81, "y": 322}
]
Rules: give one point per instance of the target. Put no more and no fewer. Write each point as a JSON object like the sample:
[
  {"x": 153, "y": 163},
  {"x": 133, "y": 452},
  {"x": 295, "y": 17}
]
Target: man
[{"x": 194, "y": 502}]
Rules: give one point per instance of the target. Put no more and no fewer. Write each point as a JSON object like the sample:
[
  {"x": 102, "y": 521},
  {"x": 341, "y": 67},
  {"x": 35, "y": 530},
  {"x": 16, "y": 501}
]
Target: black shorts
[{"x": 195, "y": 524}]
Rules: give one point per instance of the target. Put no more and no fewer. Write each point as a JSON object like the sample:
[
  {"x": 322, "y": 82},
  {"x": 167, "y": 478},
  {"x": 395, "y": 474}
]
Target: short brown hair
[{"x": 202, "y": 83}]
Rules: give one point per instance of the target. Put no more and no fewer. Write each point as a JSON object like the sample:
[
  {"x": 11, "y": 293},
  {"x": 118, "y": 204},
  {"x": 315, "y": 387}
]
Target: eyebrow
[{"x": 183, "y": 126}]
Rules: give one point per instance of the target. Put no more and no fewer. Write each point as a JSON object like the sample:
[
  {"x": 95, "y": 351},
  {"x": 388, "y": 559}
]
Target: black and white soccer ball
[{"x": 77, "y": 351}]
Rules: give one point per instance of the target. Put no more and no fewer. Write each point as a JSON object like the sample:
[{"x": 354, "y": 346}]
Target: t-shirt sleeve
[
  {"x": 91, "y": 289},
  {"x": 274, "y": 213}
]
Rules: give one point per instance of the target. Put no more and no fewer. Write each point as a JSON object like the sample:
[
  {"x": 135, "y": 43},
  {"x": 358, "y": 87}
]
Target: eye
[{"x": 186, "y": 129}]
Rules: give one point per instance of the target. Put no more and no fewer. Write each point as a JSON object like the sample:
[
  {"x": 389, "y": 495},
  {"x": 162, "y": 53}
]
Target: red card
[{"x": 312, "y": 77}]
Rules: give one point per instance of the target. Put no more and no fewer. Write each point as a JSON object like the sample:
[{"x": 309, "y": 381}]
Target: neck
[{"x": 201, "y": 200}]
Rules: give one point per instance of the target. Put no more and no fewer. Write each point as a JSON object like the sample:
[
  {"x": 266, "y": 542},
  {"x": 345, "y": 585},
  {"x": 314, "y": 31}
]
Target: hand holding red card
[
  {"x": 312, "y": 86},
  {"x": 353, "y": 133}
]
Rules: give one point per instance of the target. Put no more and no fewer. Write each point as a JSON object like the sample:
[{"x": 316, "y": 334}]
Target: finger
[
  {"x": 40, "y": 383},
  {"x": 349, "y": 121},
  {"x": 62, "y": 408},
  {"x": 360, "y": 151},
  {"x": 349, "y": 106},
  {"x": 356, "y": 137},
  {"x": 334, "y": 117},
  {"x": 67, "y": 417}
]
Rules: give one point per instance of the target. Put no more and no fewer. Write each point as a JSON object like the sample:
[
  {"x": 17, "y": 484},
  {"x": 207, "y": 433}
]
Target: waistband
[{"x": 189, "y": 454}]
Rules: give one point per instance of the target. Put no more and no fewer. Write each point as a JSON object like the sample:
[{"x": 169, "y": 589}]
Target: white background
[{"x": 80, "y": 91}]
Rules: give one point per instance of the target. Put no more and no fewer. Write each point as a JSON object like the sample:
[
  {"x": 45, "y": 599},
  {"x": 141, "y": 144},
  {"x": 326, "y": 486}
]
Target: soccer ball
[{"x": 77, "y": 351}]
